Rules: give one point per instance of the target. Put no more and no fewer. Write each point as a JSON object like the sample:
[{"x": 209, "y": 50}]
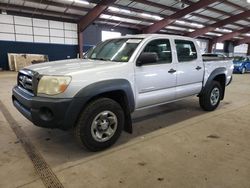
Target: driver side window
[{"x": 162, "y": 49}]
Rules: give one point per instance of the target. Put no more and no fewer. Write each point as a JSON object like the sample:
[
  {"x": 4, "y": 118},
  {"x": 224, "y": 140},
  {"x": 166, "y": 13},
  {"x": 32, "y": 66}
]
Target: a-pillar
[
  {"x": 210, "y": 46},
  {"x": 248, "y": 49},
  {"x": 80, "y": 44}
]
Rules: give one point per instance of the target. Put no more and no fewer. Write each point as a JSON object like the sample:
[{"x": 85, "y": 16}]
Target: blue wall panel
[{"x": 54, "y": 51}]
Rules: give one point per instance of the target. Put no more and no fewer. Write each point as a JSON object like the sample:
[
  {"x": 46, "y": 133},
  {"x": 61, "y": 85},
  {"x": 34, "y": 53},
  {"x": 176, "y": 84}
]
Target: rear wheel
[
  {"x": 210, "y": 99},
  {"x": 100, "y": 124}
]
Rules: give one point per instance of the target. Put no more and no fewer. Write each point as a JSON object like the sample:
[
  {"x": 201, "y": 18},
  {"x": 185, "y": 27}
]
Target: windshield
[
  {"x": 119, "y": 50},
  {"x": 239, "y": 59}
]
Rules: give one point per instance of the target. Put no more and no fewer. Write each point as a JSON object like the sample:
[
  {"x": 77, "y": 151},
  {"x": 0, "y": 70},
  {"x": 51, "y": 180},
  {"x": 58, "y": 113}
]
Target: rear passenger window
[
  {"x": 162, "y": 48},
  {"x": 186, "y": 50}
]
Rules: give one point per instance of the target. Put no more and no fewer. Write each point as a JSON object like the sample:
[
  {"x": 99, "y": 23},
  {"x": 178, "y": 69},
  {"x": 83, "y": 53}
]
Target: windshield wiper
[{"x": 102, "y": 59}]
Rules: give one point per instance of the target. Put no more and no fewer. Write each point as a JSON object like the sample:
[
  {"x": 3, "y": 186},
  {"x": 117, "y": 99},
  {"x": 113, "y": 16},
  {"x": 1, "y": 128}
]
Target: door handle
[
  {"x": 198, "y": 68},
  {"x": 171, "y": 71}
]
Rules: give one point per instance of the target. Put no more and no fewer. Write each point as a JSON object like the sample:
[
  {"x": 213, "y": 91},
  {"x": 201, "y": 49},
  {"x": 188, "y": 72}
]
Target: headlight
[{"x": 52, "y": 85}]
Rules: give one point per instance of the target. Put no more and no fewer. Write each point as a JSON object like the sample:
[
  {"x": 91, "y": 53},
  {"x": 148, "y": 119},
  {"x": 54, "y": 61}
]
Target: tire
[
  {"x": 243, "y": 71},
  {"x": 206, "y": 99},
  {"x": 100, "y": 124}
]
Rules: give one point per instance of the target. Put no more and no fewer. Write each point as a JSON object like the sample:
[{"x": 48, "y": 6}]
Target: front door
[{"x": 156, "y": 81}]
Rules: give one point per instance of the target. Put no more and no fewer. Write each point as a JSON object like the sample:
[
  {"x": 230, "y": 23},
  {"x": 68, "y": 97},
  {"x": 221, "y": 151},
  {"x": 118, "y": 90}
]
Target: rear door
[
  {"x": 155, "y": 83},
  {"x": 190, "y": 69}
]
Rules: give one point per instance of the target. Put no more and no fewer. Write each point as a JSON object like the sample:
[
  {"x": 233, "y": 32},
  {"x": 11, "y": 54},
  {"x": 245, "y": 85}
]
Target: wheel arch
[
  {"x": 119, "y": 90},
  {"x": 218, "y": 75}
]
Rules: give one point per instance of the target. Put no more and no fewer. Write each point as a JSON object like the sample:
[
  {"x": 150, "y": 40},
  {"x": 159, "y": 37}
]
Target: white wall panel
[
  {"x": 70, "y": 26},
  {"x": 55, "y": 24},
  {"x": 7, "y": 28},
  {"x": 37, "y": 30},
  {"x": 56, "y": 32},
  {"x": 23, "y": 30},
  {"x": 6, "y": 19},
  {"x": 70, "y": 34},
  {"x": 71, "y": 41},
  {"x": 40, "y": 23},
  {"x": 7, "y": 36},
  {"x": 241, "y": 48},
  {"x": 41, "y": 39},
  {"x": 23, "y": 20},
  {"x": 75, "y": 41},
  {"x": 68, "y": 41},
  {"x": 24, "y": 38},
  {"x": 41, "y": 31},
  {"x": 57, "y": 40}
]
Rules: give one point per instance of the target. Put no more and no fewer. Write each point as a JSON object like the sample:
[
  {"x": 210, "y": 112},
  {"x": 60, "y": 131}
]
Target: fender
[
  {"x": 94, "y": 90},
  {"x": 216, "y": 72}
]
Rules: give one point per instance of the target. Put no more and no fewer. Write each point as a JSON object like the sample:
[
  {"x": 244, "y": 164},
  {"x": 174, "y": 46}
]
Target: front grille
[{"x": 27, "y": 80}]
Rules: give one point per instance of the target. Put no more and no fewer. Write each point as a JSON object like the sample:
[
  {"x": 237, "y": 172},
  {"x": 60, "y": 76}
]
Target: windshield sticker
[
  {"x": 136, "y": 41},
  {"x": 124, "y": 58}
]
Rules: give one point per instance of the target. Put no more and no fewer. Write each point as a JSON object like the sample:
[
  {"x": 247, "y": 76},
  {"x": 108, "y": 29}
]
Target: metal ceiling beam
[
  {"x": 230, "y": 35},
  {"x": 234, "y": 5},
  {"x": 94, "y": 13},
  {"x": 36, "y": 11},
  {"x": 188, "y": 2},
  {"x": 119, "y": 24},
  {"x": 165, "y": 22},
  {"x": 77, "y": 8},
  {"x": 221, "y": 23},
  {"x": 173, "y": 9},
  {"x": 207, "y": 17},
  {"x": 245, "y": 40},
  {"x": 153, "y": 13},
  {"x": 40, "y": 16},
  {"x": 59, "y": 4},
  {"x": 218, "y": 11}
]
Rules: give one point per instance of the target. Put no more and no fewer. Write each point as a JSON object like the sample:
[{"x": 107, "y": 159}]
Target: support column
[
  {"x": 80, "y": 44},
  {"x": 248, "y": 49},
  {"x": 210, "y": 46}
]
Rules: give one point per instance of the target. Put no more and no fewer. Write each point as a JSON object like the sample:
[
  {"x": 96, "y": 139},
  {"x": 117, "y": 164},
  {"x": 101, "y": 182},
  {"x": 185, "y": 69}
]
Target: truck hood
[{"x": 72, "y": 66}]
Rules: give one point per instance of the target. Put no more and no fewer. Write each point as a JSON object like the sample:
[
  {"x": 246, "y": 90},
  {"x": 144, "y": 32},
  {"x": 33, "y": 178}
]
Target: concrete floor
[{"x": 175, "y": 145}]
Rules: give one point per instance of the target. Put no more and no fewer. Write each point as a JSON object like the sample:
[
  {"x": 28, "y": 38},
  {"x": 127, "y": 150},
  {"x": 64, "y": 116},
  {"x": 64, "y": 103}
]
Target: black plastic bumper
[{"x": 42, "y": 111}]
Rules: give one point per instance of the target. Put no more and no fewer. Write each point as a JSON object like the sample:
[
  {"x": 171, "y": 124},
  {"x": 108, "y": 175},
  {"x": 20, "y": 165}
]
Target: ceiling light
[
  {"x": 157, "y": 17},
  {"x": 197, "y": 25},
  {"x": 146, "y": 15},
  {"x": 180, "y": 22},
  {"x": 116, "y": 18},
  {"x": 247, "y": 34},
  {"x": 125, "y": 11},
  {"x": 190, "y": 30},
  {"x": 214, "y": 34},
  {"x": 80, "y": 1},
  {"x": 114, "y": 9},
  {"x": 105, "y": 16},
  {"x": 151, "y": 16},
  {"x": 223, "y": 30}
]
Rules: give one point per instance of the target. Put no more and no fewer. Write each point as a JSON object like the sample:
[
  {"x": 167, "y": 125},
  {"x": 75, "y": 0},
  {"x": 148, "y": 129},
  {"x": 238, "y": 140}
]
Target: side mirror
[{"x": 147, "y": 58}]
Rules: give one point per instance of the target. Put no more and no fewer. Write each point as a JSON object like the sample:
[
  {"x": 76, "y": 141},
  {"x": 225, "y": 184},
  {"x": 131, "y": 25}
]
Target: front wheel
[
  {"x": 100, "y": 124},
  {"x": 210, "y": 99}
]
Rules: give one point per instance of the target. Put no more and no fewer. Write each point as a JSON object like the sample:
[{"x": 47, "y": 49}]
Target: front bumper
[
  {"x": 237, "y": 69},
  {"x": 43, "y": 112}
]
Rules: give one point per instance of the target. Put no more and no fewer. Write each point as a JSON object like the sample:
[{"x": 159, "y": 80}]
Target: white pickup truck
[{"x": 96, "y": 95}]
